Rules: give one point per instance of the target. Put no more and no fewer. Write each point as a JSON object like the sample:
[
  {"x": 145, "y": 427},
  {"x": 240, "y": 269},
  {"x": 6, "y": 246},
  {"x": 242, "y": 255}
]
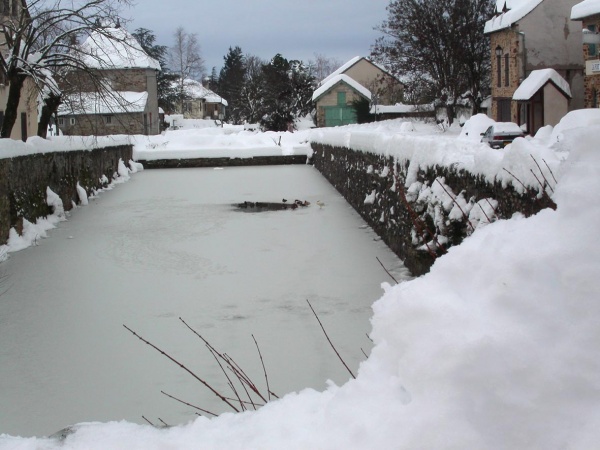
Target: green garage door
[{"x": 339, "y": 115}]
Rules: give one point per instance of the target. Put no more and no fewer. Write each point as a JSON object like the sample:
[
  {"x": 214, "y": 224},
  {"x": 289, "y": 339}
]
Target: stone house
[
  {"x": 359, "y": 78},
  {"x": 528, "y": 35},
  {"x": 118, "y": 94},
  {"x": 588, "y": 12},
  {"x": 26, "y": 124},
  {"x": 200, "y": 102}
]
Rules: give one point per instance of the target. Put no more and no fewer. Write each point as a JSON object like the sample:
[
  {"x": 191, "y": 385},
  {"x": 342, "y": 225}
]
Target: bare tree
[
  {"x": 438, "y": 45},
  {"x": 322, "y": 66},
  {"x": 38, "y": 39},
  {"x": 252, "y": 91},
  {"x": 185, "y": 60}
]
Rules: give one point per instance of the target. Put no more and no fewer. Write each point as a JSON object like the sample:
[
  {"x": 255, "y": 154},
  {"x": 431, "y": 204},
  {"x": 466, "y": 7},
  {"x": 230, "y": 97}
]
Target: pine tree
[
  {"x": 167, "y": 94},
  {"x": 278, "y": 95},
  {"x": 231, "y": 83}
]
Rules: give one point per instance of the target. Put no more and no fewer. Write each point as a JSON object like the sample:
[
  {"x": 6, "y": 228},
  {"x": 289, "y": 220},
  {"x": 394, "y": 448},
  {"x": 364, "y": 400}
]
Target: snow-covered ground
[{"x": 497, "y": 347}]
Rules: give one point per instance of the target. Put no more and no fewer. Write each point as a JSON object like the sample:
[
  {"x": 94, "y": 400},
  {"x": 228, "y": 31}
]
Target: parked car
[{"x": 501, "y": 134}]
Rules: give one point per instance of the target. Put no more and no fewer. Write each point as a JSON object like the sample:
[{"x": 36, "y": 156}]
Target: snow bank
[
  {"x": 217, "y": 142},
  {"x": 10, "y": 148},
  {"x": 428, "y": 146},
  {"x": 475, "y": 126}
]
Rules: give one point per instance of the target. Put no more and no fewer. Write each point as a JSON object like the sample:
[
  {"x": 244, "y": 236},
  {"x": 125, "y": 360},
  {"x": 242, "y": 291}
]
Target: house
[
  {"x": 588, "y": 12},
  {"x": 543, "y": 97},
  {"x": 200, "y": 102},
  {"x": 26, "y": 124},
  {"x": 528, "y": 35},
  {"x": 118, "y": 94},
  {"x": 358, "y": 79}
]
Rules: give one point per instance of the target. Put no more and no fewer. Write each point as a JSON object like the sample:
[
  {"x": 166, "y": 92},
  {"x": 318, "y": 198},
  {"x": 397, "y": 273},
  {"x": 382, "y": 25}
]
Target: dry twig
[
  {"x": 386, "y": 271},
  {"x": 550, "y": 170},
  {"x": 189, "y": 404},
  {"x": 329, "y": 340},
  {"x": 184, "y": 368},
  {"x": 148, "y": 421},
  {"x": 542, "y": 173},
  {"x": 264, "y": 369},
  {"x": 456, "y": 203}
]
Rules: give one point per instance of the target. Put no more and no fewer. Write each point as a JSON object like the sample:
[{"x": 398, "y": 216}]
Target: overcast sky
[{"x": 297, "y": 29}]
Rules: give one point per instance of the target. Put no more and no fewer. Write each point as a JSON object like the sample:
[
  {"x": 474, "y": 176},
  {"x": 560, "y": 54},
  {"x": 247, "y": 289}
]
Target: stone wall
[
  {"x": 424, "y": 225},
  {"x": 24, "y": 179},
  {"x": 223, "y": 162}
]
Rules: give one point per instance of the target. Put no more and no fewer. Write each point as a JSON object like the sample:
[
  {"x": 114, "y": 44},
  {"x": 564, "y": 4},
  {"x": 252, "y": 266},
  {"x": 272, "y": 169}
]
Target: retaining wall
[
  {"x": 416, "y": 224},
  {"x": 223, "y": 162},
  {"x": 24, "y": 179}
]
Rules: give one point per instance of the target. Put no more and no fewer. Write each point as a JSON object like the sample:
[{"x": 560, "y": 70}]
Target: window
[
  {"x": 592, "y": 48},
  {"x": 72, "y": 120},
  {"x": 61, "y": 121},
  {"x": 498, "y": 66},
  {"x": 506, "y": 71},
  {"x": 108, "y": 120}
]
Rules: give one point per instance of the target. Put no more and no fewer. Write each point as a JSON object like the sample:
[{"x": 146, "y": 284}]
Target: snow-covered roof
[
  {"x": 195, "y": 90},
  {"x": 509, "y": 12},
  {"x": 111, "y": 102},
  {"x": 536, "y": 80},
  {"x": 342, "y": 79},
  {"x": 585, "y": 9},
  {"x": 341, "y": 69},
  {"x": 115, "y": 48},
  {"x": 344, "y": 67}
]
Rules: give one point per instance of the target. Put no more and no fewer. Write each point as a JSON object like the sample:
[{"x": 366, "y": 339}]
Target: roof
[
  {"x": 537, "y": 80},
  {"x": 585, "y": 9},
  {"x": 344, "y": 67},
  {"x": 341, "y": 69},
  {"x": 195, "y": 90},
  {"x": 111, "y": 102},
  {"x": 508, "y": 13},
  {"x": 115, "y": 48},
  {"x": 341, "y": 79}
]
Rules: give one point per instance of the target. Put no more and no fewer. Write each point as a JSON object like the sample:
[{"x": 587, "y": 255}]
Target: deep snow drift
[{"x": 497, "y": 347}]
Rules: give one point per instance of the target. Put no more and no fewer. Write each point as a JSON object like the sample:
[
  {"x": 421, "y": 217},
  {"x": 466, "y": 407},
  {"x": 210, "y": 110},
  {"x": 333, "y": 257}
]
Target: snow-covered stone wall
[
  {"x": 24, "y": 181},
  {"x": 420, "y": 215}
]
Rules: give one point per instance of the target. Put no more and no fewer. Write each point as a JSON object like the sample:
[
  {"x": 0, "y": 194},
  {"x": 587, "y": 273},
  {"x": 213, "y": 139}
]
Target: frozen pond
[{"x": 168, "y": 244}]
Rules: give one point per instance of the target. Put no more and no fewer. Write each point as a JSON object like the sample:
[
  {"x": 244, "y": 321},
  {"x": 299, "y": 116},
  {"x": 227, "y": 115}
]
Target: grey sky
[{"x": 297, "y": 29}]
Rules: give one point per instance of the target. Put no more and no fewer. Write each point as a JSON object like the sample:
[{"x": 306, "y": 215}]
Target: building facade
[
  {"x": 588, "y": 13},
  {"x": 116, "y": 94},
  {"x": 527, "y": 36},
  {"x": 358, "y": 79},
  {"x": 200, "y": 102}
]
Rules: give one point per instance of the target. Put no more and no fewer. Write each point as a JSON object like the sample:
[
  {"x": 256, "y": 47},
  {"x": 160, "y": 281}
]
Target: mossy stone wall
[{"x": 24, "y": 179}]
